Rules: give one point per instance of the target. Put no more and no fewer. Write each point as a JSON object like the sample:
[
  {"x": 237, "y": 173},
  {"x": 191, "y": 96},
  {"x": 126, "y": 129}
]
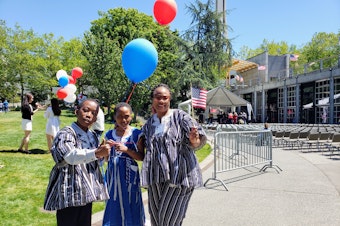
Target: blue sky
[{"x": 293, "y": 21}]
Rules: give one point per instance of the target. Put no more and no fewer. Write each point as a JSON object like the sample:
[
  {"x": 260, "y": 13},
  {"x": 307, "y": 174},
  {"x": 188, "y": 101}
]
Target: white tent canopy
[
  {"x": 222, "y": 97},
  {"x": 325, "y": 101},
  {"x": 308, "y": 106},
  {"x": 321, "y": 103},
  {"x": 219, "y": 97}
]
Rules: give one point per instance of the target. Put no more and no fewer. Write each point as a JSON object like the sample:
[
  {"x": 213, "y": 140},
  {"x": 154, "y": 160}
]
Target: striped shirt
[
  {"x": 76, "y": 179},
  {"x": 169, "y": 155}
]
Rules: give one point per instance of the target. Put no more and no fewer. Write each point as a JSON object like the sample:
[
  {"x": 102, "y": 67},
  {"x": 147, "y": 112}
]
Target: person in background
[
  {"x": 1, "y": 106},
  {"x": 52, "y": 114},
  {"x": 235, "y": 118},
  {"x": 5, "y": 106},
  {"x": 230, "y": 118},
  {"x": 27, "y": 111},
  {"x": 170, "y": 168},
  {"x": 125, "y": 206},
  {"x": 266, "y": 126},
  {"x": 99, "y": 125},
  {"x": 75, "y": 179}
]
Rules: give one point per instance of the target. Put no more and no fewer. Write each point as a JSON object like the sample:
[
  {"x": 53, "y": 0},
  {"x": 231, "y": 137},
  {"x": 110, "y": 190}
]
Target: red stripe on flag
[
  {"x": 199, "y": 97},
  {"x": 261, "y": 68},
  {"x": 293, "y": 57}
]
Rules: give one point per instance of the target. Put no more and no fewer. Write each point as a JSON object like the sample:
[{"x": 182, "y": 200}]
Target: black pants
[{"x": 75, "y": 216}]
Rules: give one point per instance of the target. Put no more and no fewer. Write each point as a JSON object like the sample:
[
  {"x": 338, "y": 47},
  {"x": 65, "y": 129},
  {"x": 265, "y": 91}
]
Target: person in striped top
[
  {"x": 75, "y": 180},
  {"x": 170, "y": 169}
]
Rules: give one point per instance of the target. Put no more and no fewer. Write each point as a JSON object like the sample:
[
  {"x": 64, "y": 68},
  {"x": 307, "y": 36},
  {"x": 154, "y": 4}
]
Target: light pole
[
  {"x": 285, "y": 102},
  {"x": 331, "y": 97},
  {"x": 297, "y": 100}
]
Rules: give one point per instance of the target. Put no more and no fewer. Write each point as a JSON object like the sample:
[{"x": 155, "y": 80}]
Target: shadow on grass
[{"x": 33, "y": 151}]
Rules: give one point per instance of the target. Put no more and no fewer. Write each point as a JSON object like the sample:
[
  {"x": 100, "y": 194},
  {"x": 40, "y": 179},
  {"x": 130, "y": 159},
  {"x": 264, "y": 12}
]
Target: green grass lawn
[{"x": 24, "y": 177}]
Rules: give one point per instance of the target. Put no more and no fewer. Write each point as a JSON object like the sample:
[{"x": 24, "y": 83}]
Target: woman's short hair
[{"x": 160, "y": 85}]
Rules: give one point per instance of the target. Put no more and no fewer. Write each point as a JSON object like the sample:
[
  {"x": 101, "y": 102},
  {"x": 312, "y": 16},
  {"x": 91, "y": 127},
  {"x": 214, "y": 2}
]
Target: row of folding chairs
[{"x": 308, "y": 140}]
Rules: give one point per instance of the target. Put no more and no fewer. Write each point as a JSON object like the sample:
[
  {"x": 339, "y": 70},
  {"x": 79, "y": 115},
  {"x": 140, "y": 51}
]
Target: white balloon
[
  {"x": 61, "y": 73},
  {"x": 70, "y": 88},
  {"x": 70, "y": 98}
]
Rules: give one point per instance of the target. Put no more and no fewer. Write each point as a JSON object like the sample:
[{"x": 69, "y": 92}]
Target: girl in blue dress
[{"x": 125, "y": 206}]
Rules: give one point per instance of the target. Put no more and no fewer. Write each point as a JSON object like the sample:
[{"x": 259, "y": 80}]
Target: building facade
[{"x": 279, "y": 91}]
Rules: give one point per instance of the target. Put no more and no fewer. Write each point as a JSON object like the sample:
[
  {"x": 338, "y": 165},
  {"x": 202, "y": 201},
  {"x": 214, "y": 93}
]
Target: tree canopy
[
  {"x": 103, "y": 46},
  {"x": 199, "y": 56}
]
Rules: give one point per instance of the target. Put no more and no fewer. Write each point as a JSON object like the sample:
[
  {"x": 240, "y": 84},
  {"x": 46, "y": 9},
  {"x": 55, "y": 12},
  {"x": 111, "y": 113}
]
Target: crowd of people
[
  {"x": 229, "y": 118},
  {"x": 165, "y": 145}
]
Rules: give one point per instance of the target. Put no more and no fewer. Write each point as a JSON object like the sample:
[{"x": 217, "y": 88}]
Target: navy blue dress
[{"x": 125, "y": 206}]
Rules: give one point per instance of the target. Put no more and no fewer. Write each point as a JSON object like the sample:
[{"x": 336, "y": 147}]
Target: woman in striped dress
[{"x": 170, "y": 168}]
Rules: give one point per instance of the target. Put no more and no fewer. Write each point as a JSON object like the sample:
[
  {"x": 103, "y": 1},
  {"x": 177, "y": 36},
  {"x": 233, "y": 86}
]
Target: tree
[
  {"x": 208, "y": 50},
  {"x": 272, "y": 47},
  {"x": 70, "y": 57},
  {"x": 322, "y": 46},
  {"x": 25, "y": 60},
  {"x": 19, "y": 56},
  {"x": 8, "y": 88},
  {"x": 103, "y": 46},
  {"x": 47, "y": 57}
]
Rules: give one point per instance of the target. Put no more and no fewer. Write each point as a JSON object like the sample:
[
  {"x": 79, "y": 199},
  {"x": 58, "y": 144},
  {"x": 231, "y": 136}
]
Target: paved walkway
[{"x": 306, "y": 192}]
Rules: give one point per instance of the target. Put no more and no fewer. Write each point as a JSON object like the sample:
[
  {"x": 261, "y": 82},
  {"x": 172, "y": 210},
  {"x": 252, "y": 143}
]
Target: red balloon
[
  {"x": 164, "y": 11},
  {"x": 77, "y": 72},
  {"x": 61, "y": 93},
  {"x": 71, "y": 80}
]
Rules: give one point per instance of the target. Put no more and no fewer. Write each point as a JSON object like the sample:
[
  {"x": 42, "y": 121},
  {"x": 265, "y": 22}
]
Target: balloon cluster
[{"x": 68, "y": 88}]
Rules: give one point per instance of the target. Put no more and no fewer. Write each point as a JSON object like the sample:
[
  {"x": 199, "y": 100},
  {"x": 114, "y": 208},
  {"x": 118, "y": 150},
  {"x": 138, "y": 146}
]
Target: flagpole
[{"x": 192, "y": 105}]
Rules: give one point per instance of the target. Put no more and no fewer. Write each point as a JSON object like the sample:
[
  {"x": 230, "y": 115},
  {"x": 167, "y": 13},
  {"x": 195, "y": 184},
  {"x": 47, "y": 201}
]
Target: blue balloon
[
  {"x": 139, "y": 59},
  {"x": 63, "y": 81}
]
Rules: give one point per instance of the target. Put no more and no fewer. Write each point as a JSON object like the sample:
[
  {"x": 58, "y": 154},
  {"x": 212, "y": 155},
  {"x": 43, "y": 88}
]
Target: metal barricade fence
[{"x": 241, "y": 149}]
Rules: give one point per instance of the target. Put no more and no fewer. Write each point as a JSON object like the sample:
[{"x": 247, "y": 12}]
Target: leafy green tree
[
  {"x": 272, "y": 47},
  {"x": 8, "y": 87},
  {"x": 103, "y": 46},
  {"x": 20, "y": 56},
  {"x": 323, "y": 46},
  {"x": 208, "y": 50},
  {"x": 70, "y": 57},
  {"x": 25, "y": 62},
  {"x": 47, "y": 56}
]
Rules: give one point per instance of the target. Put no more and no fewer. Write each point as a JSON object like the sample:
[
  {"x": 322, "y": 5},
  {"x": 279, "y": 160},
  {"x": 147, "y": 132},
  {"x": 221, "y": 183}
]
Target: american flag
[
  {"x": 293, "y": 57},
  {"x": 261, "y": 68},
  {"x": 199, "y": 97},
  {"x": 213, "y": 110}
]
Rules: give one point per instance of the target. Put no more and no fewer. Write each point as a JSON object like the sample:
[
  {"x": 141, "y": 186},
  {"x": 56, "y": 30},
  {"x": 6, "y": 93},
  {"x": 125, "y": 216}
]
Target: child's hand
[
  {"x": 110, "y": 142},
  {"x": 120, "y": 147}
]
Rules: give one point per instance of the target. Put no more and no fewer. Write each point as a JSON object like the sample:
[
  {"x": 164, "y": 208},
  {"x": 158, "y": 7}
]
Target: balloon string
[{"x": 133, "y": 88}]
